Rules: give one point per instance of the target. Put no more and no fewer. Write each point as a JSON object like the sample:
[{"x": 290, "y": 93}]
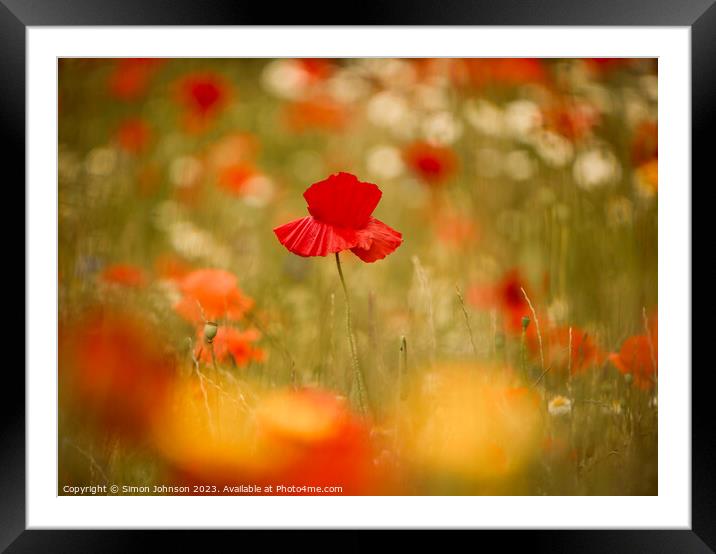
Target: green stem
[
  {"x": 351, "y": 341},
  {"x": 213, "y": 357}
]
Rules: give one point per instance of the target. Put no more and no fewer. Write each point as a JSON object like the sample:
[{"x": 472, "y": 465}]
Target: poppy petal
[
  {"x": 342, "y": 200},
  {"x": 309, "y": 237},
  {"x": 384, "y": 240}
]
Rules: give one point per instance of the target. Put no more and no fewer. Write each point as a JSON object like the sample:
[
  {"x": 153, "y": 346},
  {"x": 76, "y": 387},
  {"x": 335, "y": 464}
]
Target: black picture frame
[{"x": 17, "y": 15}]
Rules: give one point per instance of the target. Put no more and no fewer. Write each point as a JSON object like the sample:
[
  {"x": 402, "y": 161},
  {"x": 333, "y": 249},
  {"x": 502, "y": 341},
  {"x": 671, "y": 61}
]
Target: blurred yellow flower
[{"x": 471, "y": 423}]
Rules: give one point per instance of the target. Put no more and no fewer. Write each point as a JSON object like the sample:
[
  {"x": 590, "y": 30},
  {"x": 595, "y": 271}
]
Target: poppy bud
[
  {"x": 628, "y": 377},
  {"x": 210, "y": 330},
  {"x": 525, "y": 323}
]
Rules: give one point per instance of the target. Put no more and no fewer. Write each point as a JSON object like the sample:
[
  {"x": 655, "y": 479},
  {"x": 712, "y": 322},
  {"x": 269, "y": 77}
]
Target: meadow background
[{"x": 508, "y": 346}]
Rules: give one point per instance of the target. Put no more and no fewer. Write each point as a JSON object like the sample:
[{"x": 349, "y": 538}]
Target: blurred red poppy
[
  {"x": 124, "y": 274},
  {"x": 115, "y": 371},
  {"x": 133, "y": 135},
  {"x": 340, "y": 208},
  {"x": 432, "y": 163},
  {"x": 211, "y": 294},
  {"x": 584, "y": 352},
  {"x": 574, "y": 121},
  {"x": 645, "y": 144},
  {"x": 481, "y": 72},
  {"x": 230, "y": 344},
  {"x": 507, "y": 297},
  {"x": 204, "y": 96},
  {"x": 639, "y": 357},
  {"x": 325, "y": 443},
  {"x": 604, "y": 66},
  {"x": 131, "y": 77},
  {"x": 318, "y": 69}
]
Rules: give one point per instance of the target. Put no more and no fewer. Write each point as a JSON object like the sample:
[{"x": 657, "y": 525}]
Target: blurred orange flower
[
  {"x": 432, "y": 163},
  {"x": 456, "y": 229},
  {"x": 232, "y": 149},
  {"x": 230, "y": 344},
  {"x": 124, "y": 274},
  {"x": 324, "y": 442},
  {"x": 171, "y": 267},
  {"x": 131, "y": 77},
  {"x": 584, "y": 354},
  {"x": 233, "y": 178},
  {"x": 305, "y": 437},
  {"x": 482, "y": 72},
  {"x": 645, "y": 144},
  {"x": 115, "y": 371},
  {"x": 639, "y": 356},
  {"x": 215, "y": 292},
  {"x": 318, "y": 114},
  {"x": 318, "y": 69},
  {"x": 573, "y": 121},
  {"x": 604, "y": 66},
  {"x": 133, "y": 135},
  {"x": 647, "y": 177},
  {"x": 473, "y": 423}
]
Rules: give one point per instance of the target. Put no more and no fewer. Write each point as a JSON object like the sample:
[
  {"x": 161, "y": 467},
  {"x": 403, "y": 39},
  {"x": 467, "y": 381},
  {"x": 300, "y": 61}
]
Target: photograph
[{"x": 357, "y": 276}]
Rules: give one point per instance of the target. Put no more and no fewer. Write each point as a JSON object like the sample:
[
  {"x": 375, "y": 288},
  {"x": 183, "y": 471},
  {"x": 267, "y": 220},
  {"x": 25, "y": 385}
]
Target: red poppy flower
[
  {"x": 433, "y": 164},
  {"x": 340, "y": 208},
  {"x": 230, "y": 343},
  {"x": 213, "y": 291}
]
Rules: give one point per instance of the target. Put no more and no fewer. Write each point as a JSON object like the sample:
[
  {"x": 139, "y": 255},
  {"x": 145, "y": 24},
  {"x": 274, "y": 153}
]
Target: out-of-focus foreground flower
[
  {"x": 116, "y": 371},
  {"x": 233, "y": 434},
  {"x": 474, "y": 424}
]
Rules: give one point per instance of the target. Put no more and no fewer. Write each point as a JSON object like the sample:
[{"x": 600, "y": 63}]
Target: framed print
[{"x": 403, "y": 273}]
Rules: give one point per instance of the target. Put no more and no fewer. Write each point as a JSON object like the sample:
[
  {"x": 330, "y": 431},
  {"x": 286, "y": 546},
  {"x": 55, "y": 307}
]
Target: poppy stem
[
  {"x": 351, "y": 340},
  {"x": 402, "y": 371},
  {"x": 539, "y": 335},
  {"x": 467, "y": 319}
]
